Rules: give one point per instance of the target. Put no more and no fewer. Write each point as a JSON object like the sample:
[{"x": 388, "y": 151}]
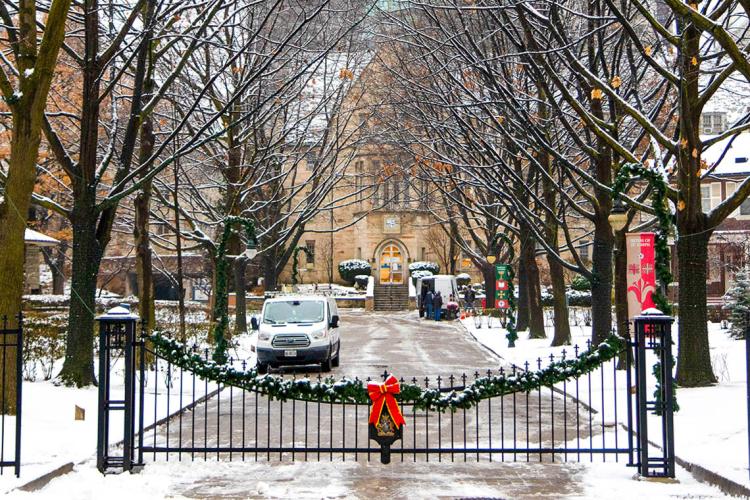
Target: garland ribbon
[{"x": 382, "y": 396}]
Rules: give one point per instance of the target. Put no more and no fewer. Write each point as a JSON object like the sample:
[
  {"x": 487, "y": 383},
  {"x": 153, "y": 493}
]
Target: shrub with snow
[
  {"x": 350, "y": 269},
  {"x": 463, "y": 279},
  {"x": 580, "y": 284},
  {"x": 737, "y": 302},
  {"x": 433, "y": 267},
  {"x": 360, "y": 280}
]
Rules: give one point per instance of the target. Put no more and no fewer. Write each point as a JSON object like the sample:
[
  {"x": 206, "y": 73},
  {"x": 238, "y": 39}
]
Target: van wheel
[
  {"x": 326, "y": 365},
  {"x": 335, "y": 361},
  {"x": 262, "y": 368}
]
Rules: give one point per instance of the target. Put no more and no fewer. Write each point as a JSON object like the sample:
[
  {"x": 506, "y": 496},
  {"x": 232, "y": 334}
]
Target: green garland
[
  {"x": 294, "y": 261},
  {"x": 627, "y": 172},
  {"x": 221, "y": 305},
  {"x": 658, "y": 185},
  {"x": 349, "y": 390}
]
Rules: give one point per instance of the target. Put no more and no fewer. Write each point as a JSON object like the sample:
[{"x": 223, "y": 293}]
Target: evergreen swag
[
  {"x": 349, "y": 390},
  {"x": 221, "y": 306},
  {"x": 658, "y": 184},
  {"x": 295, "y": 270}
]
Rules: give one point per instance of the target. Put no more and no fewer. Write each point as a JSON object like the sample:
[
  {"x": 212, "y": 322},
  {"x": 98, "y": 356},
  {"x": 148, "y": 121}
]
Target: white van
[
  {"x": 297, "y": 331},
  {"x": 444, "y": 283}
]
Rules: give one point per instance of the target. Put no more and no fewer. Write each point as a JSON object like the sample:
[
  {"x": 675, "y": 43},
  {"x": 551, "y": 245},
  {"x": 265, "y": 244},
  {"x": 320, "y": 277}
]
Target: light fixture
[
  {"x": 310, "y": 266},
  {"x": 251, "y": 251},
  {"x": 618, "y": 217}
]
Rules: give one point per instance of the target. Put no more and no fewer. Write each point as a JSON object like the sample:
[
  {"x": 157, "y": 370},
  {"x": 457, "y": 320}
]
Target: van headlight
[
  {"x": 320, "y": 334},
  {"x": 264, "y": 336}
]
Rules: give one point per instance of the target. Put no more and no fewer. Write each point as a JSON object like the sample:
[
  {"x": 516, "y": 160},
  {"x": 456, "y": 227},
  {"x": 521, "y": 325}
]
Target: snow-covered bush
[
  {"x": 737, "y": 302},
  {"x": 580, "y": 283},
  {"x": 463, "y": 279},
  {"x": 43, "y": 344},
  {"x": 575, "y": 297},
  {"x": 350, "y": 269},
  {"x": 433, "y": 267},
  {"x": 360, "y": 280}
]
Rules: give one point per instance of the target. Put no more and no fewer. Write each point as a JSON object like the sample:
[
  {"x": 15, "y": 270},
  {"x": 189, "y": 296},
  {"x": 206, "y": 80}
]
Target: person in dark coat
[
  {"x": 422, "y": 297},
  {"x": 469, "y": 297},
  {"x": 428, "y": 299},
  {"x": 437, "y": 304}
]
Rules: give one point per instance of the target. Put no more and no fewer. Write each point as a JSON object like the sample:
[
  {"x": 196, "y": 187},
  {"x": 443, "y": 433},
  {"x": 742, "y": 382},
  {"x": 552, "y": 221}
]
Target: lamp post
[{"x": 618, "y": 216}]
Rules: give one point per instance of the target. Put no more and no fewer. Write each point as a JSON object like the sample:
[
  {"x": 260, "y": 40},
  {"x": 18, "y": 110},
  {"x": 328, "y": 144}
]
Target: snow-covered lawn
[
  {"x": 711, "y": 425},
  {"x": 51, "y": 437}
]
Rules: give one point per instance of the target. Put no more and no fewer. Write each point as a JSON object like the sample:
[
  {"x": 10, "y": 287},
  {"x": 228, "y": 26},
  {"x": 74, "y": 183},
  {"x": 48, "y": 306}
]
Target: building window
[
  {"x": 310, "y": 244},
  {"x": 358, "y": 180},
  {"x": 312, "y": 160},
  {"x": 585, "y": 250},
  {"x": 745, "y": 207},
  {"x": 423, "y": 254},
  {"x": 713, "y": 123},
  {"x": 376, "y": 173},
  {"x": 359, "y": 253},
  {"x": 710, "y": 195}
]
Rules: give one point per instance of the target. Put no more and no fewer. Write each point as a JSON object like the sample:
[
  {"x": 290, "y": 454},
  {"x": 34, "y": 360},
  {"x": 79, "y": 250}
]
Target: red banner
[
  {"x": 641, "y": 272},
  {"x": 381, "y": 396}
]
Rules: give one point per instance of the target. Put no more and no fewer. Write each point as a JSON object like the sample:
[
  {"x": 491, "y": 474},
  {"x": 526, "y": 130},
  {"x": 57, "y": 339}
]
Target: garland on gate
[
  {"x": 297, "y": 250},
  {"x": 349, "y": 390},
  {"x": 658, "y": 185},
  {"x": 627, "y": 172},
  {"x": 221, "y": 304}
]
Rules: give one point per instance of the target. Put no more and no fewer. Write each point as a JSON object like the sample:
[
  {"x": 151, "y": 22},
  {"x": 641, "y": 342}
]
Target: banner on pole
[
  {"x": 641, "y": 272},
  {"x": 502, "y": 287}
]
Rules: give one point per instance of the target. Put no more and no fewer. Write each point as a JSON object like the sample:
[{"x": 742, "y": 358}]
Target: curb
[
  {"x": 44, "y": 479},
  {"x": 704, "y": 475}
]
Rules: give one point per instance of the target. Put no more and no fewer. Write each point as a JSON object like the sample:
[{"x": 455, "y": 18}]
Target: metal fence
[
  {"x": 181, "y": 416},
  {"x": 11, "y": 378}
]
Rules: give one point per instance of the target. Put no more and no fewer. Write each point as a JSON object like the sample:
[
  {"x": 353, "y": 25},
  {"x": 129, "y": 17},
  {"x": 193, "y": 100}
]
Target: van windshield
[{"x": 293, "y": 311}]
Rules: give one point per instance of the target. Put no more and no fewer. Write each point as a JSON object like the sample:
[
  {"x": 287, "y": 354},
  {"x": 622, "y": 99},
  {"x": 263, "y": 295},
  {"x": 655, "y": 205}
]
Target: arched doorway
[{"x": 391, "y": 265}]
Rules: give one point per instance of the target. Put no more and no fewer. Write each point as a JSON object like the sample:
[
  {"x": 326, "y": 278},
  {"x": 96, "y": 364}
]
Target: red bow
[{"x": 381, "y": 395}]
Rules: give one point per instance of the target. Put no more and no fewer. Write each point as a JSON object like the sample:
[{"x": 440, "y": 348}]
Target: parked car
[
  {"x": 297, "y": 331},
  {"x": 444, "y": 283}
]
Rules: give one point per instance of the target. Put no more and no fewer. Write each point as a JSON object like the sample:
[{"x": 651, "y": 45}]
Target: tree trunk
[
  {"x": 240, "y": 305},
  {"x": 13, "y": 213},
  {"x": 522, "y": 322},
  {"x": 488, "y": 271},
  {"x": 534, "y": 292},
  {"x": 601, "y": 283},
  {"x": 560, "y": 304},
  {"x": 142, "y": 237},
  {"x": 58, "y": 273},
  {"x": 78, "y": 368},
  {"x": 621, "y": 292},
  {"x": 270, "y": 278},
  {"x": 694, "y": 358}
]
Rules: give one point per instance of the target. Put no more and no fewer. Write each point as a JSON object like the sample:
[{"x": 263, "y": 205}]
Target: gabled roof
[{"x": 38, "y": 239}]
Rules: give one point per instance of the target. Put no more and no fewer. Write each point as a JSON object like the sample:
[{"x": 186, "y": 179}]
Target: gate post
[
  {"x": 116, "y": 335},
  {"x": 653, "y": 332}
]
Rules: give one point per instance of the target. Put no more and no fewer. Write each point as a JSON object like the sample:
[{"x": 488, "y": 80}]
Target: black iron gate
[
  {"x": 11, "y": 377},
  {"x": 177, "y": 415}
]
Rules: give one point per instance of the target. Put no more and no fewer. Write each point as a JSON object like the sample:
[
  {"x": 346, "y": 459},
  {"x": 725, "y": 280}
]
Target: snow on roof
[
  {"x": 318, "y": 100},
  {"x": 736, "y": 160},
  {"x": 36, "y": 238}
]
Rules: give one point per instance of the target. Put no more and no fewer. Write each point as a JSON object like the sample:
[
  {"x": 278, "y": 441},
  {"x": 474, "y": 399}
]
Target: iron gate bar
[{"x": 17, "y": 362}]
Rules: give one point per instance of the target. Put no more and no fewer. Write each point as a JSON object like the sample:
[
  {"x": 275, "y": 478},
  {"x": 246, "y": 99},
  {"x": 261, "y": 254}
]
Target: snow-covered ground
[
  {"x": 51, "y": 437},
  {"x": 368, "y": 481},
  {"x": 711, "y": 425}
]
